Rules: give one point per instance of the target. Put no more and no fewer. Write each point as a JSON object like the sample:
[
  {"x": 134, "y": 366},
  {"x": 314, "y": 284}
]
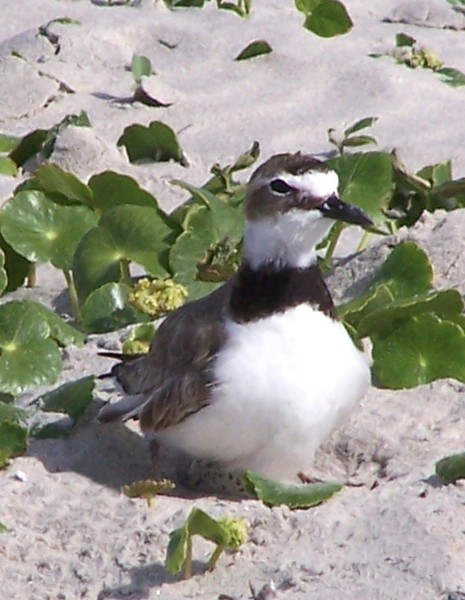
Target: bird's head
[{"x": 291, "y": 202}]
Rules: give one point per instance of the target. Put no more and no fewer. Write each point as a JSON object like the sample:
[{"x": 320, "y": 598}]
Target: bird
[{"x": 257, "y": 374}]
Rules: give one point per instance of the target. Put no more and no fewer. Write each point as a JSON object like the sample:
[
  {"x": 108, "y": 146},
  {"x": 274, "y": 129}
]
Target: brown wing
[{"x": 172, "y": 381}]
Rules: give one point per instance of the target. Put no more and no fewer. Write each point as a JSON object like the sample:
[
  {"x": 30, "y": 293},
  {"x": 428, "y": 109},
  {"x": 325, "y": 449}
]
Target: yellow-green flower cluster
[
  {"x": 237, "y": 531},
  {"x": 156, "y": 297}
]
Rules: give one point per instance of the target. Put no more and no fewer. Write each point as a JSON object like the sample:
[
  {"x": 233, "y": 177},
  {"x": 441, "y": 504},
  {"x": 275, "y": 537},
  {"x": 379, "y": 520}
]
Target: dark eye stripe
[{"x": 280, "y": 186}]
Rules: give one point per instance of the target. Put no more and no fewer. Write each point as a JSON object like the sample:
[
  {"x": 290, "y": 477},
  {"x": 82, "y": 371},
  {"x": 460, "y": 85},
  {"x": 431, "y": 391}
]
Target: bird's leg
[{"x": 154, "y": 451}]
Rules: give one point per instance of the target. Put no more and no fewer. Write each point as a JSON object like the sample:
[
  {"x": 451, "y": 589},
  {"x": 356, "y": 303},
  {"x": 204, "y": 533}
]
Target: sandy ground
[{"x": 399, "y": 533}]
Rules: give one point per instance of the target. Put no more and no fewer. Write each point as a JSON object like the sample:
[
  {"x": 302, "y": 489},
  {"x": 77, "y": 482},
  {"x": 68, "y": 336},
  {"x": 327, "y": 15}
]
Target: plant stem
[
  {"x": 187, "y": 569},
  {"x": 32, "y": 276},
  {"x": 217, "y": 552},
  {"x": 335, "y": 235},
  {"x": 73, "y": 297},
  {"x": 364, "y": 241},
  {"x": 125, "y": 272}
]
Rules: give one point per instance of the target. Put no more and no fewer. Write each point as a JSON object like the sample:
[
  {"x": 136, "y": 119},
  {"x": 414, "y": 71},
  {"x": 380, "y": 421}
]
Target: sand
[{"x": 396, "y": 532}]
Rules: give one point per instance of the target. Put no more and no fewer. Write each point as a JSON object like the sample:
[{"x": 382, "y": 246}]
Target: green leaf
[
  {"x": 357, "y": 309},
  {"x": 226, "y": 220},
  {"x": 328, "y": 19},
  {"x": 110, "y": 189},
  {"x": 25, "y": 358},
  {"x": 366, "y": 181},
  {"x": 13, "y": 440},
  {"x": 241, "y": 7},
  {"x": 140, "y": 67},
  {"x": 12, "y": 413},
  {"x": 451, "y": 468},
  {"x": 3, "y": 528},
  {"x": 29, "y": 146},
  {"x": 359, "y": 125},
  {"x": 253, "y": 49},
  {"x": 407, "y": 271},
  {"x": 15, "y": 266},
  {"x": 184, "y": 3},
  {"x": 358, "y": 140},
  {"x": 403, "y": 39},
  {"x": 156, "y": 143},
  {"x": 43, "y": 140},
  {"x": 3, "y": 273},
  {"x": 106, "y": 309},
  {"x": 204, "y": 254},
  {"x": 79, "y": 120},
  {"x": 72, "y": 398},
  {"x": 8, "y": 142},
  {"x": 139, "y": 339},
  {"x": 273, "y": 493},
  {"x": 197, "y": 523},
  {"x": 445, "y": 304},
  {"x": 419, "y": 350},
  {"x": 53, "y": 179},
  {"x": 8, "y": 167},
  {"x": 452, "y": 77},
  {"x": 190, "y": 248},
  {"x": 60, "y": 331},
  {"x": 126, "y": 233},
  {"x": 43, "y": 231},
  {"x": 307, "y": 6},
  {"x": 436, "y": 174}
]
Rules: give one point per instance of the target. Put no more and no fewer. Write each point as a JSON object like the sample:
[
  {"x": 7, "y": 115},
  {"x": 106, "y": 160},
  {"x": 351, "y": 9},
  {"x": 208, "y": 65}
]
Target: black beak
[{"x": 335, "y": 208}]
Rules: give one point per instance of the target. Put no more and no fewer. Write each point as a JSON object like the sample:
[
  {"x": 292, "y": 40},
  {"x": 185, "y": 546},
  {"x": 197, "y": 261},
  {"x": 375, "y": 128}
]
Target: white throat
[{"x": 287, "y": 239}]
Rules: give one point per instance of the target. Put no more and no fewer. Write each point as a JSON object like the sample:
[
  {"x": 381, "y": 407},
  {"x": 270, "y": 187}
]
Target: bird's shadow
[{"x": 114, "y": 455}]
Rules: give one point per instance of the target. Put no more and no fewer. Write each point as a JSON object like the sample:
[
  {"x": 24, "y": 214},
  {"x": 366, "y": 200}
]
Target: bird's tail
[{"x": 125, "y": 409}]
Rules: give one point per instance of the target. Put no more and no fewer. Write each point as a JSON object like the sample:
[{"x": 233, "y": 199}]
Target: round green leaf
[
  {"x": 20, "y": 324},
  {"x": 406, "y": 272},
  {"x": 7, "y": 166},
  {"x": 112, "y": 189},
  {"x": 8, "y": 142},
  {"x": 419, "y": 350},
  {"x": 60, "y": 331},
  {"x": 328, "y": 18},
  {"x": 366, "y": 181},
  {"x": 126, "y": 233},
  {"x": 15, "y": 266},
  {"x": 451, "y": 468},
  {"x": 190, "y": 248},
  {"x": 31, "y": 363},
  {"x": 43, "y": 231},
  {"x": 106, "y": 309},
  {"x": 13, "y": 440},
  {"x": 295, "y": 495},
  {"x": 55, "y": 180},
  {"x": 445, "y": 304},
  {"x": 28, "y": 353},
  {"x": 157, "y": 143},
  {"x": 72, "y": 398}
]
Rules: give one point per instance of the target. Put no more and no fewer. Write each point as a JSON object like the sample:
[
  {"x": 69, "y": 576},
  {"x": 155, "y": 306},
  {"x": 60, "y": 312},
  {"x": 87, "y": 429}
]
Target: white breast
[{"x": 286, "y": 382}]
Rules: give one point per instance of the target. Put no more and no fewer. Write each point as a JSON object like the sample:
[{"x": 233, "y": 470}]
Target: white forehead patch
[{"x": 319, "y": 184}]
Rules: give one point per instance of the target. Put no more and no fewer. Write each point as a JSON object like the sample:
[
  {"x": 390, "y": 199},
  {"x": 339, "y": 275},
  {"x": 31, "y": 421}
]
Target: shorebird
[{"x": 254, "y": 376}]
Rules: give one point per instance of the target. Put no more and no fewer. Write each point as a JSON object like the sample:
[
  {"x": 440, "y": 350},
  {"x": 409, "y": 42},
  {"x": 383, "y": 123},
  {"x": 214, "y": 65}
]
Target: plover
[{"x": 258, "y": 373}]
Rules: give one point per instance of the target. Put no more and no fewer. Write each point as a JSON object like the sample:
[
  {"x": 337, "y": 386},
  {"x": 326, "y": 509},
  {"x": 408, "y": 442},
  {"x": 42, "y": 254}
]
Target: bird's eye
[{"x": 280, "y": 186}]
